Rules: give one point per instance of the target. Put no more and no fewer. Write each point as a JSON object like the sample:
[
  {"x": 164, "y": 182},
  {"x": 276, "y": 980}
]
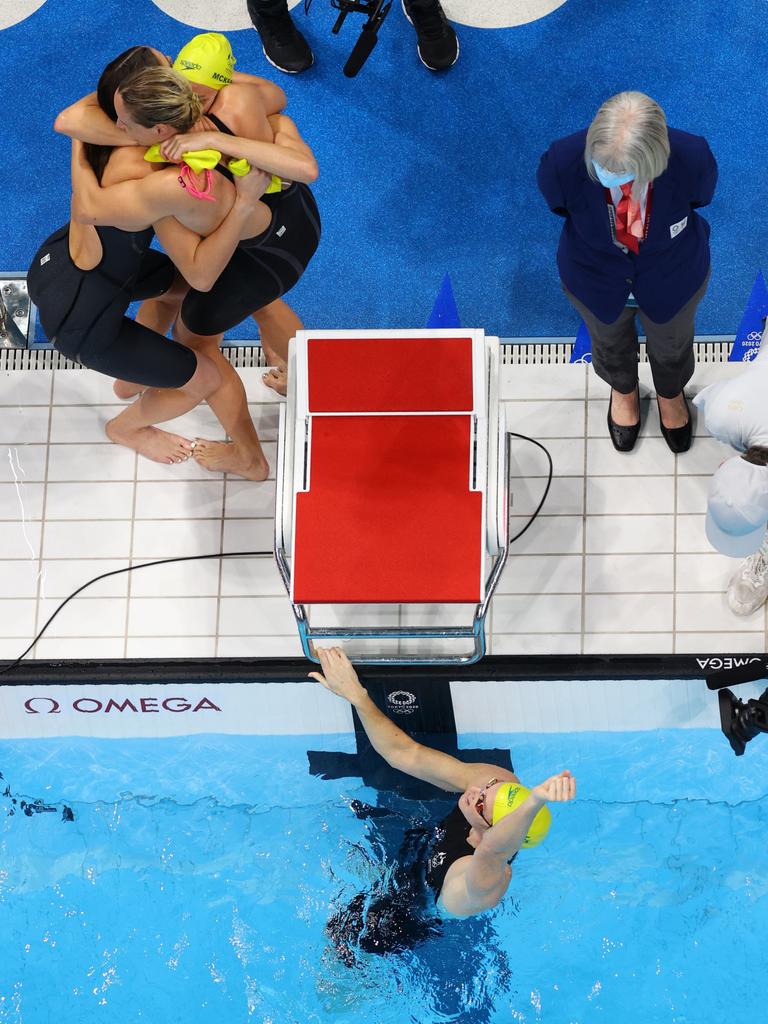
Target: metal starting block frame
[
  {"x": 488, "y": 474},
  {"x": 17, "y": 314}
]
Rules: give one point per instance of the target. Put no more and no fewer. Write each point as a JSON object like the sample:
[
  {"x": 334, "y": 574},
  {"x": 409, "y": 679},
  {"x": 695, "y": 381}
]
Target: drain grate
[{"x": 513, "y": 352}]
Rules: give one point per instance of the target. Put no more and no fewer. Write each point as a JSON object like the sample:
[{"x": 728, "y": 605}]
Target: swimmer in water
[{"x": 468, "y": 863}]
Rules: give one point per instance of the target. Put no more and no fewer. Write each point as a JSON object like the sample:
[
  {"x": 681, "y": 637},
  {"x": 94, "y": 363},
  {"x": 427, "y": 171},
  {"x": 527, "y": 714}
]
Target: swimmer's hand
[
  {"x": 252, "y": 186},
  {"x": 338, "y": 675},
  {"x": 556, "y": 789},
  {"x": 174, "y": 147}
]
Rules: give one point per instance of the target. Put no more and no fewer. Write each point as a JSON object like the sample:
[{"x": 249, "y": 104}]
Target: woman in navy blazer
[{"x": 632, "y": 242}]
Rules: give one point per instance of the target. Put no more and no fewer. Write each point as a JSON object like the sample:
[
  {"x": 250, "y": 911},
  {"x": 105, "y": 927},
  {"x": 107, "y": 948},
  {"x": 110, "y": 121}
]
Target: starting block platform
[{"x": 392, "y": 481}]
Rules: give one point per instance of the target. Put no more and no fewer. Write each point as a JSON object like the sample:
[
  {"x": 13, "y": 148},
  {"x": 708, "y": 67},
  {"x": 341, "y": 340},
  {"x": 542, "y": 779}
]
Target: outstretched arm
[
  {"x": 289, "y": 157},
  {"x": 395, "y": 746},
  {"x": 86, "y": 121}
]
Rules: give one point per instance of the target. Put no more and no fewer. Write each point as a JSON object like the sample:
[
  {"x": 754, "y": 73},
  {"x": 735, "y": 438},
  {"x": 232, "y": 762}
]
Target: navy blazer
[{"x": 674, "y": 257}]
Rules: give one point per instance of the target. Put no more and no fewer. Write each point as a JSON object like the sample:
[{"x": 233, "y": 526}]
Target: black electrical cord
[
  {"x": 245, "y": 554},
  {"x": 116, "y": 572},
  {"x": 524, "y": 437}
]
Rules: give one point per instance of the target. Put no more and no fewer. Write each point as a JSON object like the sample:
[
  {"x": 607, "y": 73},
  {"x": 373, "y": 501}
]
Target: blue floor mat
[{"x": 424, "y": 174}]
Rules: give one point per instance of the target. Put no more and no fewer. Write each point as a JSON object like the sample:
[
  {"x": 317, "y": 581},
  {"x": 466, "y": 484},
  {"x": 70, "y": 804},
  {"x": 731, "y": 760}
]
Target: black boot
[
  {"x": 284, "y": 46},
  {"x": 438, "y": 46}
]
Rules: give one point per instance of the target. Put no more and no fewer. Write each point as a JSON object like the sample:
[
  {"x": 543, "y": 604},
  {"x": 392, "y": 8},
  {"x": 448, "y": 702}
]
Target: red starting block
[{"x": 392, "y": 479}]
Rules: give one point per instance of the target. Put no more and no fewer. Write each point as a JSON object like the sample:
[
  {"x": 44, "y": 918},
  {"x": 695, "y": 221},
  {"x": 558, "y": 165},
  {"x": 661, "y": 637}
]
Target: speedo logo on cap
[{"x": 187, "y": 65}]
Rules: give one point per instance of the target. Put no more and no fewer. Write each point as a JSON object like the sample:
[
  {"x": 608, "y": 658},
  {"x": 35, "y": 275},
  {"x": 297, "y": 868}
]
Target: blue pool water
[{"x": 198, "y": 874}]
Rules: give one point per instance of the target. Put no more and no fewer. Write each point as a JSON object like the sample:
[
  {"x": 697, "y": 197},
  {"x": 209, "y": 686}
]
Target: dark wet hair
[{"x": 123, "y": 67}]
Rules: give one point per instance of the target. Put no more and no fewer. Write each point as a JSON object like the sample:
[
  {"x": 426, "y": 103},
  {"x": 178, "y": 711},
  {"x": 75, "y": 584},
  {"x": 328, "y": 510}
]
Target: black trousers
[{"x": 669, "y": 346}]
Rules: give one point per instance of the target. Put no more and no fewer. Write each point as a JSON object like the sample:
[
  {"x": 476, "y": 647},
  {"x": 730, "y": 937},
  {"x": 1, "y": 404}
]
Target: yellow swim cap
[
  {"x": 206, "y": 60},
  {"x": 508, "y": 798}
]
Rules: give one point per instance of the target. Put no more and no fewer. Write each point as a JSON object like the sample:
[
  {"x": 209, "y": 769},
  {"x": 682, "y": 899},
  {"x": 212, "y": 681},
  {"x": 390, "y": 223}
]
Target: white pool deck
[{"x": 617, "y": 562}]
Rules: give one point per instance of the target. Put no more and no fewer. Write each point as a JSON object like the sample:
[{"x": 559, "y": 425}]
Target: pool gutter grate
[{"x": 537, "y": 352}]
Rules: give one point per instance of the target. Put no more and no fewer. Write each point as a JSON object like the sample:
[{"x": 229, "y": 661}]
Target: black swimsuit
[
  {"x": 83, "y": 311},
  {"x": 262, "y": 268},
  {"x": 448, "y": 845}
]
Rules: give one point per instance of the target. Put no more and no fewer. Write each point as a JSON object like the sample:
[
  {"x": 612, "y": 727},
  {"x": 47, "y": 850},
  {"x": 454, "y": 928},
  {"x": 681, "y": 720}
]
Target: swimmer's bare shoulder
[
  {"x": 244, "y": 110},
  {"x": 127, "y": 163}
]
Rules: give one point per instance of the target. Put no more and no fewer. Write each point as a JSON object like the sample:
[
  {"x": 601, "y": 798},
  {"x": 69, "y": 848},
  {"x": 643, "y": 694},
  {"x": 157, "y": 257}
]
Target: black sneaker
[
  {"x": 284, "y": 46},
  {"x": 438, "y": 46}
]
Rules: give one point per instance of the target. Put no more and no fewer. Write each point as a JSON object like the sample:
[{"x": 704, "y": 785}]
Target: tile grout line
[
  {"x": 217, "y": 623},
  {"x": 674, "y": 557},
  {"x": 40, "y": 576},
  {"x": 584, "y": 517},
  {"x": 130, "y": 551}
]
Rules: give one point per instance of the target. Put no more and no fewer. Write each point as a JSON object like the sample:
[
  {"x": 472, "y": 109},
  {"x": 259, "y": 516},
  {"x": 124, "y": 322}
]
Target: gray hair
[{"x": 629, "y": 134}]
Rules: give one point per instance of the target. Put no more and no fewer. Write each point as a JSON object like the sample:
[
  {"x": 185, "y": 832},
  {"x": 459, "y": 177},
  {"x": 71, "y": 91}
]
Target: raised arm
[
  {"x": 86, "y": 121},
  {"x": 289, "y": 157},
  {"x": 201, "y": 260},
  {"x": 477, "y": 882},
  {"x": 395, "y": 746}
]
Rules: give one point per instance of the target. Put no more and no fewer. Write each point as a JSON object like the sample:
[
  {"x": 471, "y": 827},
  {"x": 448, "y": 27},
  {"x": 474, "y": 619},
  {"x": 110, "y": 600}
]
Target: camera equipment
[
  {"x": 741, "y": 721},
  {"x": 376, "y": 11}
]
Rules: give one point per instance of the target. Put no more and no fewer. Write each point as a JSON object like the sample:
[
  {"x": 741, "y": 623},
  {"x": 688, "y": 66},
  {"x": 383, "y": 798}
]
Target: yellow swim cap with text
[
  {"x": 508, "y": 798},
  {"x": 206, "y": 59}
]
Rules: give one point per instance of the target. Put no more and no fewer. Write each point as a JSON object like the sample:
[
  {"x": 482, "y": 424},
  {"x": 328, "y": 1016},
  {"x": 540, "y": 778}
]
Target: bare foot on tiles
[
  {"x": 154, "y": 444},
  {"x": 276, "y": 378},
  {"x": 227, "y": 457}
]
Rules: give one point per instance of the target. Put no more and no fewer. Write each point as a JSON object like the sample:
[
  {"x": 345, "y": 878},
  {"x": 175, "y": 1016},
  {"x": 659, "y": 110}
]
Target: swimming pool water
[{"x": 197, "y": 876}]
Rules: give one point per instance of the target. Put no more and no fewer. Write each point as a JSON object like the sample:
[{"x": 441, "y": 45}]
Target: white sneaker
[{"x": 748, "y": 587}]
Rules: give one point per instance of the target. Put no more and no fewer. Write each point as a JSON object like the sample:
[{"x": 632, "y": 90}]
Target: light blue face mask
[{"x": 609, "y": 180}]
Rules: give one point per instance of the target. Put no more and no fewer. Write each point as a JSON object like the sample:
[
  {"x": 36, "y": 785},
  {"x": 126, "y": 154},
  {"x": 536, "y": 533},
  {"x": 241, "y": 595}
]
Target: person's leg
[
  {"x": 243, "y": 454},
  {"x": 277, "y": 325},
  {"x": 157, "y": 312},
  {"x": 175, "y": 380},
  {"x": 614, "y": 358},
  {"x": 671, "y": 355}
]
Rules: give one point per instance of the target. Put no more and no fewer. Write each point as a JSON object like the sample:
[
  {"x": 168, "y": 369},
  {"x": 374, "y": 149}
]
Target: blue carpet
[{"x": 425, "y": 174}]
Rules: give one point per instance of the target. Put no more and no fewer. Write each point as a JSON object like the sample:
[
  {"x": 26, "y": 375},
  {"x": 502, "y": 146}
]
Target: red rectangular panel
[
  {"x": 390, "y": 374},
  {"x": 389, "y": 516}
]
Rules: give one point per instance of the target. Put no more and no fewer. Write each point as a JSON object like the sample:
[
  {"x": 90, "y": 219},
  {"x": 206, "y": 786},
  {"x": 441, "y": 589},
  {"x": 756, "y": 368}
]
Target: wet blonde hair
[{"x": 161, "y": 96}]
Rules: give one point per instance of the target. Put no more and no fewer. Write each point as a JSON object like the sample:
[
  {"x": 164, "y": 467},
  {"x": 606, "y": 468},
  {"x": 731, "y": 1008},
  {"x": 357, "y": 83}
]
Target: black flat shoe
[
  {"x": 678, "y": 438},
  {"x": 623, "y": 438}
]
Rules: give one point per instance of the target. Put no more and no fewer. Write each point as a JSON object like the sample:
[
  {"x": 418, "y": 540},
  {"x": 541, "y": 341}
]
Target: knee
[{"x": 206, "y": 378}]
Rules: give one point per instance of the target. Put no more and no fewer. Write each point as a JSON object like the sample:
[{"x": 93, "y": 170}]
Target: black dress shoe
[
  {"x": 678, "y": 438},
  {"x": 623, "y": 437}
]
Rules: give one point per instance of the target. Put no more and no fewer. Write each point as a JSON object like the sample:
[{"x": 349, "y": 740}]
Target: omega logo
[{"x": 140, "y": 705}]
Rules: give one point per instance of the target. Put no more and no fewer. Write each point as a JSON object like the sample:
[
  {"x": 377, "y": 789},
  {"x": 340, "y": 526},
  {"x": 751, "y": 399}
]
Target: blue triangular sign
[
  {"x": 747, "y": 342},
  {"x": 582, "y": 346},
  {"x": 444, "y": 312}
]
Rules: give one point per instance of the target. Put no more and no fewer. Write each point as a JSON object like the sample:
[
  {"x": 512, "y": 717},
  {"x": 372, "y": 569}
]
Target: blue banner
[
  {"x": 747, "y": 342},
  {"x": 582, "y": 346}
]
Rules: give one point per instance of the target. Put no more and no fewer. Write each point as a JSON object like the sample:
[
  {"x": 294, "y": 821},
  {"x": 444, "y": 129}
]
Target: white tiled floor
[{"x": 616, "y": 563}]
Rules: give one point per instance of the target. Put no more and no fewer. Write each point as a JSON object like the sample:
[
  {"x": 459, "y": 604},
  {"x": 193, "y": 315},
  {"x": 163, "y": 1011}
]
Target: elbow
[
  {"x": 312, "y": 171},
  {"x": 65, "y": 124},
  {"x": 199, "y": 280},
  {"x": 80, "y": 215}
]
